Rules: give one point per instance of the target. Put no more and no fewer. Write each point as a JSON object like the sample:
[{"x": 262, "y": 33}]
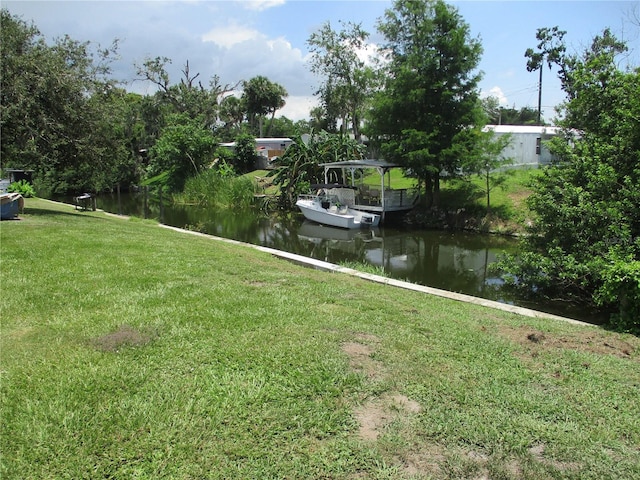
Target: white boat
[
  {"x": 380, "y": 199},
  {"x": 330, "y": 206}
]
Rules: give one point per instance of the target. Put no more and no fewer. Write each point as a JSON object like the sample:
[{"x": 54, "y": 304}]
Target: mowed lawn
[{"x": 133, "y": 351}]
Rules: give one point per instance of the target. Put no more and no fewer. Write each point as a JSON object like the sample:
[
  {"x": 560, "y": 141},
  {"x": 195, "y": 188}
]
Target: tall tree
[
  {"x": 189, "y": 96},
  {"x": 585, "y": 242},
  {"x": 430, "y": 97},
  {"x": 550, "y": 50},
  {"x": 57, "y": 103},
  {"x": 347, "y": 81},
  {"x": 232, "y": 113},
  {"x": 262, "y": 97}
]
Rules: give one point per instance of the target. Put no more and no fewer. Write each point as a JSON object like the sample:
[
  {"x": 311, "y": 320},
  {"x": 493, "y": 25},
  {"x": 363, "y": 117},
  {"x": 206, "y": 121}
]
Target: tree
[
  {"x": 550, "y": 50},
  {"x": 348, "y": 81},
  {"x": 585, "y": 242},
  {"x": 245, "y": 153},
  {"x": 430, "y": 99},
  {"x": 188, "y": 96},
  {"x": 262, "y": 97},
  {"x": 484, "y": 158},
  {"x": 232, "y": 113},
  {"x": 183, "y": 150},
  {"x": 56, "y": 107}
]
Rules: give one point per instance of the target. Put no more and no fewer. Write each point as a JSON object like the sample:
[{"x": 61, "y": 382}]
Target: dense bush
[{"x": 585, "y": 242}]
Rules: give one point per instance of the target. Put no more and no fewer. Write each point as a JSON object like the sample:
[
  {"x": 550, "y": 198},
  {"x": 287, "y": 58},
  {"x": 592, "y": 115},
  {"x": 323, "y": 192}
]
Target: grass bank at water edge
[{"x": 132, "y": 351}]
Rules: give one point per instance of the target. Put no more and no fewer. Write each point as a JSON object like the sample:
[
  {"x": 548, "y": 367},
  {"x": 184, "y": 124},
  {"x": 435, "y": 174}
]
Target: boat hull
[{"x": 314, "y": 209}]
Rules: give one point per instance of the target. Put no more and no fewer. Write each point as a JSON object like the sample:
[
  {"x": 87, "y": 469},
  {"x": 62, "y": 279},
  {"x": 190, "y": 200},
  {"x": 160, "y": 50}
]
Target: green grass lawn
[{"x": 132, "y": 351}]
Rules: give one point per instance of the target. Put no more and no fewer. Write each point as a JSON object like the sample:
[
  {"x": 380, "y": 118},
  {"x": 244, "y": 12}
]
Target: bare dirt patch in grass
[
  {"x": 360, "y": 356},
  {"x": 588, "y": 340},
  {"x": 124, "y": 336},
  {"x": 379, "y": 412}
]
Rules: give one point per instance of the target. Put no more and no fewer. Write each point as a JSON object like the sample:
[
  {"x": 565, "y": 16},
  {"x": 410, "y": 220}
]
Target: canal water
[{"x": 454, "y": 261}]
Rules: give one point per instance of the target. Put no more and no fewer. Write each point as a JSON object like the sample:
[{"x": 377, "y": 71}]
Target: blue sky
[{"x": 238, "y": 40}]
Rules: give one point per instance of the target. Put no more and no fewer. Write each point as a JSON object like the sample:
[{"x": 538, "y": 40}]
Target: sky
[{"x": 238, "y": 40}]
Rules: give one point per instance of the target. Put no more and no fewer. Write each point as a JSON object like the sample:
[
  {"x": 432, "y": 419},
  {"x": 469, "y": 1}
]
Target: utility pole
[{"x": 551, "y": 48}]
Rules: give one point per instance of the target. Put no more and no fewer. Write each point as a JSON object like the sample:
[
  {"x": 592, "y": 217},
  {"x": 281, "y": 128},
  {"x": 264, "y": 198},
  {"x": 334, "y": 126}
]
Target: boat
[
  {"x": 11, "y": 204},
  {"x": 331, "y": 205},
  {"x": 380, "y": 198}
]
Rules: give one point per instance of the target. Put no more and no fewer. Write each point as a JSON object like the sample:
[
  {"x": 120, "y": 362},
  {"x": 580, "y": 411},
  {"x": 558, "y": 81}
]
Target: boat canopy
[
  {"x": 318, "y": 186},
  {"x": 369, "y": 197},
  {"x": 381, "y": 164}
]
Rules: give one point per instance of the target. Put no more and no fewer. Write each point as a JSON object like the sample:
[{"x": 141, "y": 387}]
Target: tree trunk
[{"x": 428, "y": 190}]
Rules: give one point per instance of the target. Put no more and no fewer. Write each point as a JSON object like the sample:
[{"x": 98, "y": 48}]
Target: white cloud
[
  {"x": 230, "y": 35},
  {"x": 496, "y": 92},
  {"x": 368, "y": 53},
  {"x": 261, "y": 5},
  {"x": 298, "y": 108}
]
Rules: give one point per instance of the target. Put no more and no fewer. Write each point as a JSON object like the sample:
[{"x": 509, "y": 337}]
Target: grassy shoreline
[{"x": 133, "y": 351}]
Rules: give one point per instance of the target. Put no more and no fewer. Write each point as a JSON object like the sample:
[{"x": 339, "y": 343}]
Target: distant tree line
[{"x": 65, "y": 118}]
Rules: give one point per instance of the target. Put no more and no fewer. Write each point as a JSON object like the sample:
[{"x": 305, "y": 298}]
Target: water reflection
[{"x": 452, "y": 261}]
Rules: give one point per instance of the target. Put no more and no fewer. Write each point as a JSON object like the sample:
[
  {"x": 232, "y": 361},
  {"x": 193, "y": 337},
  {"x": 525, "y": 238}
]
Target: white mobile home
[
  {"x": 266, "y": 149},
  {"x": 527, "y": 148}
]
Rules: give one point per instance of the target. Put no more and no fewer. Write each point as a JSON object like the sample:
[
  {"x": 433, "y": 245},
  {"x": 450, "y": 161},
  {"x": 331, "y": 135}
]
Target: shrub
[
  {"x": 218, "y": 187},
  {"x": 621, "y": 287},
  {"x": 22, "y": 187}
]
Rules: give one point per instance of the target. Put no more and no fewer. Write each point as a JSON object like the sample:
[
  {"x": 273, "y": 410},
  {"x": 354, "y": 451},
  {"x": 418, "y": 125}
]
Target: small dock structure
[{"x": 380, "y": 198}]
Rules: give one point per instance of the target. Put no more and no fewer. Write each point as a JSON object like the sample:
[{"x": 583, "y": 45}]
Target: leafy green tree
[
  {"x": 232, "y": 113},
  {"x": 585, "y": 242},
  {"x": 57, "y": 104},
  {"x": 245, "y": 153},
  {"x": 183, "y": 149},
  {"x": 348, "y": 82},
  {"x": 285, "y": 127},
  {"x": 550, "y": 50},
  {"x": 189, "y": 96},
  {"x": 262, "y": 97},
  {"x": 484, "y": 158},
  {"x": 430, "y": 98}
]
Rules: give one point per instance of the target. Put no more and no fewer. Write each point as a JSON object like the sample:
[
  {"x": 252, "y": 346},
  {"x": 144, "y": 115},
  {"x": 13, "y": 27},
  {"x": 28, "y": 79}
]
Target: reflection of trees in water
[
  {"x": 451, "y": 261},
  {"x": 456, "y": 262}
]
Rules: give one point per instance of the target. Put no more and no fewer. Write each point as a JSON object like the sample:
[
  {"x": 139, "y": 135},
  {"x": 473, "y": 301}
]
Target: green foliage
[
  {"x": 430, "y": 96},
  {"x": 262, "y": 97},
  {"x": 183, "y": 149},
  {"x": 551, "y": 49},
  {"x": 587, "y": 224},
  {"x": 22, "y": 187},
  {"x": 299, "y": 166},
  {"x": 245, "y": 153},
  {"x": 187, "y": 97},
  {"x": 347, "y": 81},
  {"x": 218, "y": 187},
  {"x": 60, "y": 112},
  {"x": 621, "y": 286}
]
